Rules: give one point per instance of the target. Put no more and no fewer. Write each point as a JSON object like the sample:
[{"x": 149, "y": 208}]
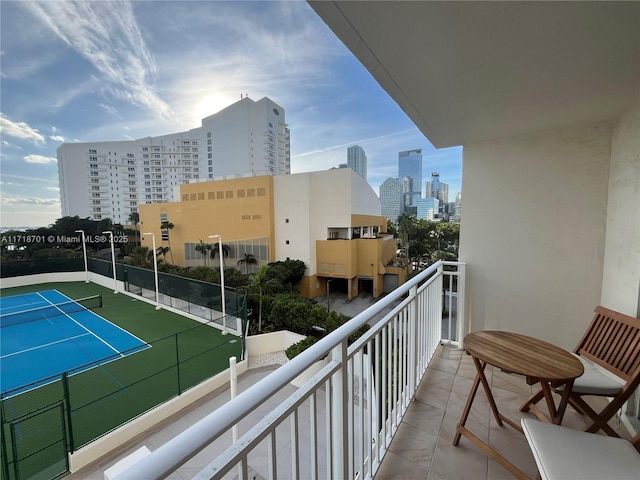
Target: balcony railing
[{"x": 340, "y": 422}]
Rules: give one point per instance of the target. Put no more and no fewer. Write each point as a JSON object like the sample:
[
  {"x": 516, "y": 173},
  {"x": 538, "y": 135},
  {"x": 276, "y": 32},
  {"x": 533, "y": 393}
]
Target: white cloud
[
  {"x": 111, "y": 110},
  {"x": 108, "y": 36},
  {"x": 56, "y": 138},
  {"x": 39, "y": 159},
  {"x": 30, "y": 179},
  {"x": 19, "y": 130},
  {"x": 9, "y": 200}
]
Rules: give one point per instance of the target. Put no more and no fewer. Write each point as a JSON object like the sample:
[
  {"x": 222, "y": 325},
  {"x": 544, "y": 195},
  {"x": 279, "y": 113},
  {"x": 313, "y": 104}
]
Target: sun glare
[{"x": 212, "y": 104}]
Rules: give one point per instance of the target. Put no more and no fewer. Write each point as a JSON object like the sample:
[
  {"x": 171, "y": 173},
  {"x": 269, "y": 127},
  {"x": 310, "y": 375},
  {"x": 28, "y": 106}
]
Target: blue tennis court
[{"x": 44, "y": 334}]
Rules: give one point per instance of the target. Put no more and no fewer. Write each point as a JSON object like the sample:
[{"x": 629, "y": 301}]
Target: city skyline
[{"x": 97, "y": 72}]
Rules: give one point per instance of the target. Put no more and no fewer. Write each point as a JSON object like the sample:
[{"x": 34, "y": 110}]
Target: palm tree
[
  {"x": 406, "y": 229},
  {"x": 248, "y": 259},
  {"x": 163, "y": 251},
  {"x": 203, "y": 248},
  {"x": 166, "y": 226},
  {"x": 225, "y": 253},
  {"x": 262, "y": 283},
  {"x": 134, "y": 218}
]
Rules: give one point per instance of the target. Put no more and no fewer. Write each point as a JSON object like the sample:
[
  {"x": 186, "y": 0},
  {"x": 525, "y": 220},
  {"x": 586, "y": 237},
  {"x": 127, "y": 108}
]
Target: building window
[{"x": 165, "y": 233}]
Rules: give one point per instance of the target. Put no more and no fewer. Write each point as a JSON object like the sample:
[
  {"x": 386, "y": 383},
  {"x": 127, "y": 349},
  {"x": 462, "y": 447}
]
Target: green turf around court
[
  {"x": 136, "y": 316},
  {"x": 183, "y": 353}
]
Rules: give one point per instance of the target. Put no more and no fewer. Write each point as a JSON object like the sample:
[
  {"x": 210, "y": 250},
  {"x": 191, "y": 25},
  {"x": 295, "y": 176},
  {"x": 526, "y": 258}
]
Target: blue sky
[{"x": 106, "y": 71}]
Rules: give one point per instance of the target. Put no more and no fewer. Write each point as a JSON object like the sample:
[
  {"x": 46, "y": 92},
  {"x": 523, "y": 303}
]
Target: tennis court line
[
  {"x": 10, "y": 309},
  {"x": 91, "y": 332},
  {"x": 112, "y": 324},
  {"x": 43, "y": 345}
]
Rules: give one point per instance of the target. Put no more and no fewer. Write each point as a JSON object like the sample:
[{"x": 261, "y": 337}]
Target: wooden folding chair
[
  {"x": 562, "y": 453},
  {"x": 610, "y": 352}
]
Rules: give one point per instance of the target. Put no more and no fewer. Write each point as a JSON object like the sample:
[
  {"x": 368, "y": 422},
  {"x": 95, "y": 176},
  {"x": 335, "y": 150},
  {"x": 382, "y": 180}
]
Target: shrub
[{"x": 300, "y": 347}]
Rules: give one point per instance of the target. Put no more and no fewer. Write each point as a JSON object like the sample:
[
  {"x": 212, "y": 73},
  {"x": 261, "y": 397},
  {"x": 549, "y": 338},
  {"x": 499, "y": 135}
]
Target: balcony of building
[{"x": 334, "y": 412}]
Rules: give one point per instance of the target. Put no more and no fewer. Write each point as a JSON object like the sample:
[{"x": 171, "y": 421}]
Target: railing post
[
  {"x": 233, "y": 389},
  {"x": 340, "y": 412},
  {"x": 461, "y": 327},
  {"x": 413, "y": 339}
]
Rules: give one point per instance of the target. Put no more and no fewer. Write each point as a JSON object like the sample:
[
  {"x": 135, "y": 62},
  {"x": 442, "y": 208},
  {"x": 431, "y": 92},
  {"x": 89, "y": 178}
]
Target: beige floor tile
[
  {"x": 461, "y": 462},
  {"x": 425, "y": 417},
  {"x": 396, "y": 468},
  {"x": 437, "y": 378},
  {"x": 448, "y": 365}
]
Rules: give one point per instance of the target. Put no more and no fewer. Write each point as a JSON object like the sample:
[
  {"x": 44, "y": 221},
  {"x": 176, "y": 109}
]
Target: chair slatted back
[{"x": 613, "y": 342}]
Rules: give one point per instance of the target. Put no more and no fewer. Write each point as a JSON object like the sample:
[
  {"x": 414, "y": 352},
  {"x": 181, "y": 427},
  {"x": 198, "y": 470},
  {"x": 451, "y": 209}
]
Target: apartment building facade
[
  {"x": 112, "y": 179},
  {"x": 288, "y": 217}
]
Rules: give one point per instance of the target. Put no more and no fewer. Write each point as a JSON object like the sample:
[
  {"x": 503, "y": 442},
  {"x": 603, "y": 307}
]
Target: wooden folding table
[{"x": 538, "y": 361}]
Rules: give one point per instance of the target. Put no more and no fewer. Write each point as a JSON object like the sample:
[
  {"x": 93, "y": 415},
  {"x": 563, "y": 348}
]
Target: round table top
[{"x": 523, "y": 355}]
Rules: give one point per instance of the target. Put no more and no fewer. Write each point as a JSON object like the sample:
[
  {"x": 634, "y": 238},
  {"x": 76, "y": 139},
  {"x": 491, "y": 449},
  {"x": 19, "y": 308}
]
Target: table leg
[
  {"x": 564, "y": 400},
  {"x": 551, "y": 406},
  {"x": 467, "y": 407},
  {"x": 462, "y": 430},
  {"x": 487, "y": 391}
]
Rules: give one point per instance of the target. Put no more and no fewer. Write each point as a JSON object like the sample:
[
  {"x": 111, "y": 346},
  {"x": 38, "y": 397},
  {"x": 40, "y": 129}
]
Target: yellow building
[{"x": 330, "y": 220}]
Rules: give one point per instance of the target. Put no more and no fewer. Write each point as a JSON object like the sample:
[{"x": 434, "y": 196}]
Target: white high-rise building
[
  {"x": 110, "y": 179},
  {"x": 391, "y": 199},
  {"x": 357, "y": 160}
]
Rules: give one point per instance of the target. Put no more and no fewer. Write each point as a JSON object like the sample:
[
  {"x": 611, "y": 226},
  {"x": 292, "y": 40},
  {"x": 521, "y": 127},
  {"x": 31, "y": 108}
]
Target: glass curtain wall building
[{"x": 410, "y": 178}]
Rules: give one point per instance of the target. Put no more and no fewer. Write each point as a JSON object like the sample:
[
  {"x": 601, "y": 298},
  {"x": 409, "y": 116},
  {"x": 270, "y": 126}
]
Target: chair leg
[
  {"x": 599, "y": 419},
  {"x": 532, "y": 401},
  {"x": 575, "y": 406}
]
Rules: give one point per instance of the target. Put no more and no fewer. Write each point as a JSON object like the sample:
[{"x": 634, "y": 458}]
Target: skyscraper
[
  {"x": 428, "y": 208},
  {"x": 110, "y": 179},
  {"x": 410, "y": 178},
  {"x": 357, "y": 160},
  {"x": 436, "y": 189},
  {"x": 391, "y": 199}
]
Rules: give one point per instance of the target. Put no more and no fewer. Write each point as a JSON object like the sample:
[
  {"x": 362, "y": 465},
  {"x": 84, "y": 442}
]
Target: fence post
[
  {"x": 67, "y": 404},
  {"x": 340, "y": 413},
  {"x": 178, "y": 365},
  {"x": 3, "y": 443}
]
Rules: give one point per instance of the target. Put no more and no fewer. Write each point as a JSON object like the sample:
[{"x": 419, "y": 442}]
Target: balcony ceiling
[{"x": 471, "y": 71}]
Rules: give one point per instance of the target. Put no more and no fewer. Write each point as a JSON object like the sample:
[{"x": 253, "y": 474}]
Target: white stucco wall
[
  {"x": 363, "y": 198},
  {"x": 314, "y": 202},
  {"x": 621, "y": 276},
  {"x": 292, "y": 220},
  {"x": 533, "y": 231}
]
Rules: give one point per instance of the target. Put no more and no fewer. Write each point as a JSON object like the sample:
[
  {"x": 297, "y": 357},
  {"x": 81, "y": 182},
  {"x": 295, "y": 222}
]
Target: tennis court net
[{"x": 50, "y": 311}]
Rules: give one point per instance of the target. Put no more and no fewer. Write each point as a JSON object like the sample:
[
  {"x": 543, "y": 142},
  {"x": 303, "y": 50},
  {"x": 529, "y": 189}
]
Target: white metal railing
[{"x": 340, "y": 423}]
